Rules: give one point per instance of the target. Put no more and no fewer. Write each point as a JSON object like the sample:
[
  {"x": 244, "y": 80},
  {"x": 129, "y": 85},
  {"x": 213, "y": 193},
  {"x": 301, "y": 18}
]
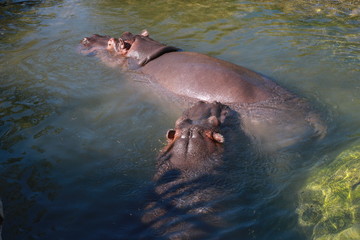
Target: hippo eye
[
  {"x": 225, "y": 112},
  {"x": 214, "y": 121}
]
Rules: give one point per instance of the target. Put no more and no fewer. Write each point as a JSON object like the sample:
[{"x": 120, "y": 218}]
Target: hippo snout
[
  {"x": 191, "y": 133},
  {"x": 96, "y": 41},
  {"x": 190, "y": 141}
]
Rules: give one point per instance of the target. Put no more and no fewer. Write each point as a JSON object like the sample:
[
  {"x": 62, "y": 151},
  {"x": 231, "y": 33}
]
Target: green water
[{"x": 79, "y": 140}]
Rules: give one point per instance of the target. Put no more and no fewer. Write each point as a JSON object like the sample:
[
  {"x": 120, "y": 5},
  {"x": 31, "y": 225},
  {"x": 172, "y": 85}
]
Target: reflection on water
[{"x": 79, "y": 142}]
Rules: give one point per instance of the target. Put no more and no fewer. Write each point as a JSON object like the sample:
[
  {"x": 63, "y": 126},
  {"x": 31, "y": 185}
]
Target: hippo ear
[
  {"x": 144, "y": 33},
  {"x": 218, "y": 137},
  {"x": 170, "y": 135},
  {"x": 215, "y": 136}
]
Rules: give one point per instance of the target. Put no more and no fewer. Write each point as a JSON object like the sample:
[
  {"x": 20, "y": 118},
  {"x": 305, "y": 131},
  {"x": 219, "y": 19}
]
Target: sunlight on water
[{"x": 79, "y": 139}]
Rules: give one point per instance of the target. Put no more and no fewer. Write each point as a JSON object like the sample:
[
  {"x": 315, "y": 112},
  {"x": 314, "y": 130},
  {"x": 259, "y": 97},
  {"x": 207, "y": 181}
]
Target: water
[{"x": 79, "y": 140}]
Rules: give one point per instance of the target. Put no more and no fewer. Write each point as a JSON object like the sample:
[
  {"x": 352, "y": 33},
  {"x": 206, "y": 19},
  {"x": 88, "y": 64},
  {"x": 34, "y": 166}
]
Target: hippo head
[
  {"x": 197, "y": 136},
  {"x": 140, "y": 49},
  {"x": 91, "y": 45}
]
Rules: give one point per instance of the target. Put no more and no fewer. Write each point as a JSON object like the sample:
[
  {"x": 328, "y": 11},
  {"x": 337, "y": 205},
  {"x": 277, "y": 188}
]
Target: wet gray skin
[
  {"x": 274, "y": 117},
  {"x": 190, "y": 180}
]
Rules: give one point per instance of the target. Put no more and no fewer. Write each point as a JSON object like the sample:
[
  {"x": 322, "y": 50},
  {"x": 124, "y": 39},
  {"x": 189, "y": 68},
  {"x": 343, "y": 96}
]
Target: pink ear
[
  {"x": 170, "y": 135},
  {"x": 144, "y": 33},
  {"x": 218, "y": 137}
]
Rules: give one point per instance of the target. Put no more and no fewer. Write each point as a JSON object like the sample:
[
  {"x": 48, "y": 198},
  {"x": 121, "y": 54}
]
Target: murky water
[{"x": 79, "y": 140}]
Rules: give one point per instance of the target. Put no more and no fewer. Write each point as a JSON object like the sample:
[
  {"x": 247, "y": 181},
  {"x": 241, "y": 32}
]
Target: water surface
[{"x": 79, "y": 140}]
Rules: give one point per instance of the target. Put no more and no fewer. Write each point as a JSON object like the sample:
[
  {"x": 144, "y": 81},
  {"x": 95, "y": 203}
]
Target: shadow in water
[{"x": 20, "y": 2}]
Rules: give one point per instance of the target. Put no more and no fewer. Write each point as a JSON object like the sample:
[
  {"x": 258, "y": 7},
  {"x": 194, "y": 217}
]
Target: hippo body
[
  {"x": 190, "y": 181},
  {"x": 213, "y": 79},
  {"x": 273, "y": 116}
]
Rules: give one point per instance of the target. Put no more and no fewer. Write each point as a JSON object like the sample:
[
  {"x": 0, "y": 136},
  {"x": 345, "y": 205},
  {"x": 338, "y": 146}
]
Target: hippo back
[{"x": 198, "y": 76}]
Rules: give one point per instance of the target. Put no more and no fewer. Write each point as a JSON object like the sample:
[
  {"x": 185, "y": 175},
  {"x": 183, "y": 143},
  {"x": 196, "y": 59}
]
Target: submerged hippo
[
  {"x": 190, "y": 180},
  {"x": 273, "y": 116}
]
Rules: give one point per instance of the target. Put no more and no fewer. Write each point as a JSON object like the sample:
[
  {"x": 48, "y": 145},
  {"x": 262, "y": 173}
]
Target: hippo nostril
[
  {"x": 194, "y": 134},
  {"x": 186, "y": 134}
]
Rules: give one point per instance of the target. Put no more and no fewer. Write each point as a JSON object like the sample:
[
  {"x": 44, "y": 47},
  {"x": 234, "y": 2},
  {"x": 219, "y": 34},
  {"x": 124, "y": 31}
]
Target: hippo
[
  {"x": 190, "y": 180},
  {"x": 272, "y": 116}
]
